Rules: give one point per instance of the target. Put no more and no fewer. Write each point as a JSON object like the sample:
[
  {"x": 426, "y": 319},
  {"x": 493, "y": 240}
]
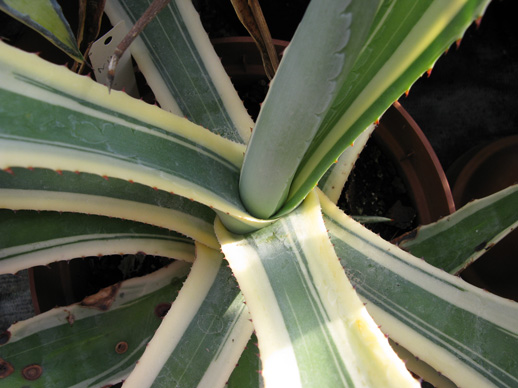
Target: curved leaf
[
  {"x": 313, "y": 331},
  {"x": 405, "y": 40},
  {"x": 300, "y": 95},
  {"x": 465, "y": 333},
  {"x": 455, "y": 241},
  {"x": 41, "y": 189},
  {"x": 45, "y": 17},
  {"x": 202, "y": 335},
  {"x": 333, "y": 182},
  {"x": 51, "y": 236},
  {"x": 52, "y": 118},
  {"x": 61, "y": 340},
  {"x": 190, "y": 79}
]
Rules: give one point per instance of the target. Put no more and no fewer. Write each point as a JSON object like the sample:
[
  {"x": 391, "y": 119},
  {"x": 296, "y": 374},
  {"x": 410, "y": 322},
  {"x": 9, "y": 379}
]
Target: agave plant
[{"x": 259, "y": 248}]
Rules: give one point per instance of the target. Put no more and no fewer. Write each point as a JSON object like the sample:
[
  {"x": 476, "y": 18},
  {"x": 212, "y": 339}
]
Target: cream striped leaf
[
  {"x": 455, "y": 241},
  {"x": 405, "y": 40},
  {"x": 313, "y": 331},
  {"x": 41, "y": 189},
  {"x": 333, "y": 181},
  {"x": 81, "y": 346},
  {"x": 202, "y": 335},
  {"x": 300, "y": 96},
  {"x": 52, "y": 118},
  {"x": 465, "y": 333},
  {"x": 216, "y": 320},
  {"x": 51, "y": 236},
  {"x": 190, "y": 79}
]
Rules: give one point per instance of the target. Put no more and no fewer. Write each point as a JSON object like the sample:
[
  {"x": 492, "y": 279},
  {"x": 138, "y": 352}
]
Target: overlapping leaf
[
  {"x": 85, "y": 345},
  {"x": 189, "y": 80},
  {"x": 312, "y": 329},
  {"x": 404, "y": 40},
  {"x": 203, "y": 334},
  {"x": 465, "y": 333},
  {"x": 52, "y": 236},
  {"x": 455, "y": 241}
]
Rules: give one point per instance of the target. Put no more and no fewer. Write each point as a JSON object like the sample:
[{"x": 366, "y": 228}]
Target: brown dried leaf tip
[
  {"x": 5, "y": 369},
  {"x": 103, "y": 299},
  {"x": 121, "y": 347},
  {"x": 32, "y": 372}
]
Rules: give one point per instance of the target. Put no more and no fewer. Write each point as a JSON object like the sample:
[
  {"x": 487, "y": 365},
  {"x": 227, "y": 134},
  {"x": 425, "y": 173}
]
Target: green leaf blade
[
  {"x": 465, "y": 333},
  {"x": 247, "y": 372},
  {"x": 203, "y": 334},
  {"x": 41, "y": 189},
  {"x": 455, "y": 241},
  {"x": 102, "y": 139},
  {"x": 62, "y": 121},
  {"x": 406, "y": 39},
  {"x": 286, "y": 126},
  {"x": 312, "y": 331},
  {"x": 77, "y": 345},
  {"x": 46, "y": 18},
  {"x": 52, "y": 236},
  {"x": 190, "y": 80}
]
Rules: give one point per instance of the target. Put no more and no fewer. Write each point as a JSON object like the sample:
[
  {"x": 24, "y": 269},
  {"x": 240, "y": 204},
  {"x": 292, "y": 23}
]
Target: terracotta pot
[
  {"x": 481, "y": 172},
  {"x": 406, "y": 144}
]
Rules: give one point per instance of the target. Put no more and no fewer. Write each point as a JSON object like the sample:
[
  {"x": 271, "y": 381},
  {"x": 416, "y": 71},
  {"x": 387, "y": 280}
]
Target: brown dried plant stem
[
  {"x": 154, "y": 8},
  {"x": 90, "y": 16},
  {"x": 251, "y": 16}
]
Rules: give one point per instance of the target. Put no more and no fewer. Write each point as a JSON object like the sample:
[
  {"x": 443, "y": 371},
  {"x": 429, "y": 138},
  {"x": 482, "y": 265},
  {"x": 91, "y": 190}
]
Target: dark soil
[{"x": 375, "y": 188}]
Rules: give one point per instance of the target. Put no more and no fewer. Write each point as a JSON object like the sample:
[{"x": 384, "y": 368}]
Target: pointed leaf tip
[{"x": 47, "y": 19}]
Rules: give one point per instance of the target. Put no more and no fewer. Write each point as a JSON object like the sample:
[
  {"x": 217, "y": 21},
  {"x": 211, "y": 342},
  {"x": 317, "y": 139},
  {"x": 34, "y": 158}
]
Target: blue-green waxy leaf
[
  {"x": 311, "y": 74},
  {"x": 45, "y": 17},
  {"x": 405, "y": 39}
]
